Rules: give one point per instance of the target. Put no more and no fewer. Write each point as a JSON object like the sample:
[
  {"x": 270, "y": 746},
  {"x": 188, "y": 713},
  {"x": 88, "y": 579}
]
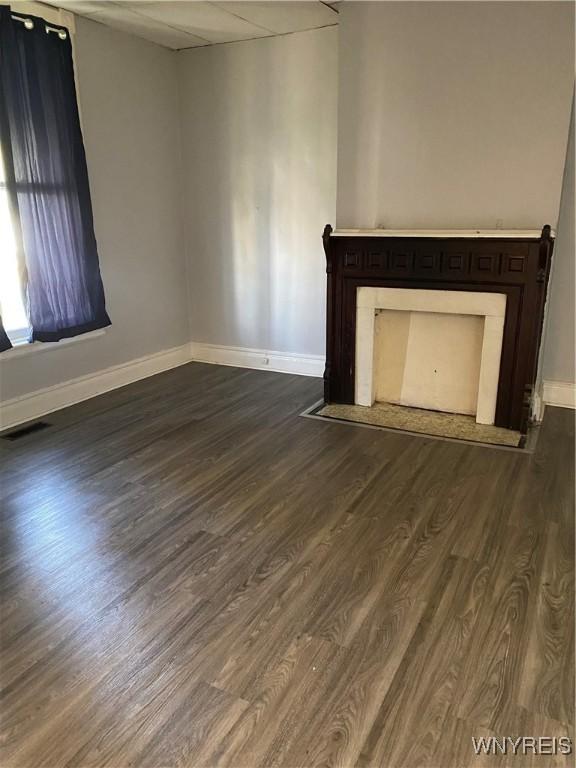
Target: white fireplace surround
[{"x": 490, "y": 306}]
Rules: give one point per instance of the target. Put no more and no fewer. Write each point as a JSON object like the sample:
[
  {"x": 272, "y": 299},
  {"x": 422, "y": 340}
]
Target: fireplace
[{"x": 392, "y": 293}]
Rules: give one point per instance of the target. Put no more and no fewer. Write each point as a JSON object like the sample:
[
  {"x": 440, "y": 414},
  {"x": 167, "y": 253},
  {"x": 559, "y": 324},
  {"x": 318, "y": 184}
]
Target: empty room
[{"x": 287, "y": 384}]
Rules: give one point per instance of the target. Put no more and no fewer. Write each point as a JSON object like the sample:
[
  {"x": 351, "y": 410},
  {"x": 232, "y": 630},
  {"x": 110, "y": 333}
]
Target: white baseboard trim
[
  {"x": 260, "y": 359},
  {"x": 43, "y": 401},
  {"x": 35, "y": 404},
  {"x": 560, "y": 393}
]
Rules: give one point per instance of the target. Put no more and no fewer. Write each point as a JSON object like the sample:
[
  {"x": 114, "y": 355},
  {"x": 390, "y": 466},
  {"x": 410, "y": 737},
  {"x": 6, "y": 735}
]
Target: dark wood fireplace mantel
[{"x": 516, "y": 263}]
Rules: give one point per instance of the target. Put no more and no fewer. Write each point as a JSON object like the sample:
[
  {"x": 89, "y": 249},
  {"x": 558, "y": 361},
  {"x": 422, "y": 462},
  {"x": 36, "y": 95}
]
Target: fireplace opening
[
  {"x": 432, "y": 349},
  {"x": 428, "y": 360}
]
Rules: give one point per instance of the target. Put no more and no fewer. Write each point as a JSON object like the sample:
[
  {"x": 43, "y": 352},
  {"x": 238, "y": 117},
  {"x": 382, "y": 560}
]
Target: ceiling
[{"x": 191, "y": 24}]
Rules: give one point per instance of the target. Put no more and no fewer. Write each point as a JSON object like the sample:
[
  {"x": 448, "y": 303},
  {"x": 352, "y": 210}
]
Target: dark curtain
[
  {"x": 41, "y": 128},
  {"x": 5, "y": 342}
]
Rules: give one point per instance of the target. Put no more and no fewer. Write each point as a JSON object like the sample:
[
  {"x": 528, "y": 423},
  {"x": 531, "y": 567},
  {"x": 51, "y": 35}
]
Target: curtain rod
[{"x": 29, "y": 24}]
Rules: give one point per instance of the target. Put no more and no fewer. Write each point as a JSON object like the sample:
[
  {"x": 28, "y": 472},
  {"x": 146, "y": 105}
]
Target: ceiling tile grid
[{"x": 191, "y": 23}]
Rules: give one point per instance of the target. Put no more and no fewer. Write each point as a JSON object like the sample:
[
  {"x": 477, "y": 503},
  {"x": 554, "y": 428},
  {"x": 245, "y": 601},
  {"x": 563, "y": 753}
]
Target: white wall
[
  {"x": 259, "y": 146},
  {"x": 453, "y": 114},
  {"x": 560, "y": 343},
  {"x": 129, "y": 104}
]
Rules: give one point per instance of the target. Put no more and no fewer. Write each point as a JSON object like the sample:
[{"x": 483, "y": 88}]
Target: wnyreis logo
[{"x": 522, "y": 745}]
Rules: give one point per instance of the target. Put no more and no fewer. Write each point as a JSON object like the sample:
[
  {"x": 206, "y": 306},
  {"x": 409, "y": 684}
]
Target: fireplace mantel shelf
[{"x": 511, "y": 234}]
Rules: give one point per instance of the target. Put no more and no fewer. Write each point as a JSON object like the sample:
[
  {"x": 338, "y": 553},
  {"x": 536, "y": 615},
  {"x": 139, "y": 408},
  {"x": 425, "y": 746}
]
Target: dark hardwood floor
[{"x": 193, "y": 575}]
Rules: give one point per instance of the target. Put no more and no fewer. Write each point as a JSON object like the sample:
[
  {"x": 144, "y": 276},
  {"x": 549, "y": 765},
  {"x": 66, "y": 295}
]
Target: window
[
  {"x": 11, "y": 290},
  {"x": 48, "y": 249}
]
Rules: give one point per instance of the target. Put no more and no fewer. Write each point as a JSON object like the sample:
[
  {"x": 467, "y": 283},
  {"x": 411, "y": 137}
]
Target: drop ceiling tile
[
  {"x": 205, "y": 20},
  {"x": 189, "y": 24},
  {"x": 120, "y": 17},
  {"x": 282, "y": 17}
]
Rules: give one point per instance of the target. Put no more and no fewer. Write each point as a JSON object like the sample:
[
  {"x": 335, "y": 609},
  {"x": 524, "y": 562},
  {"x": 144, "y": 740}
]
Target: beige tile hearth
[{"x": 451, "y": 425}]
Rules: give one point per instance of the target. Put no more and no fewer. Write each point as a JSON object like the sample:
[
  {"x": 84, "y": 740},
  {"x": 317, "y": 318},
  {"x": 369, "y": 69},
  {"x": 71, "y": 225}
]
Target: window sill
[{"x": 23, "y": 348}]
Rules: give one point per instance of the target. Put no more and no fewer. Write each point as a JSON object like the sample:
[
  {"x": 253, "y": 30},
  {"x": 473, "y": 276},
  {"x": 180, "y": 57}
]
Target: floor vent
[{"x": 28, "y": 430}]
